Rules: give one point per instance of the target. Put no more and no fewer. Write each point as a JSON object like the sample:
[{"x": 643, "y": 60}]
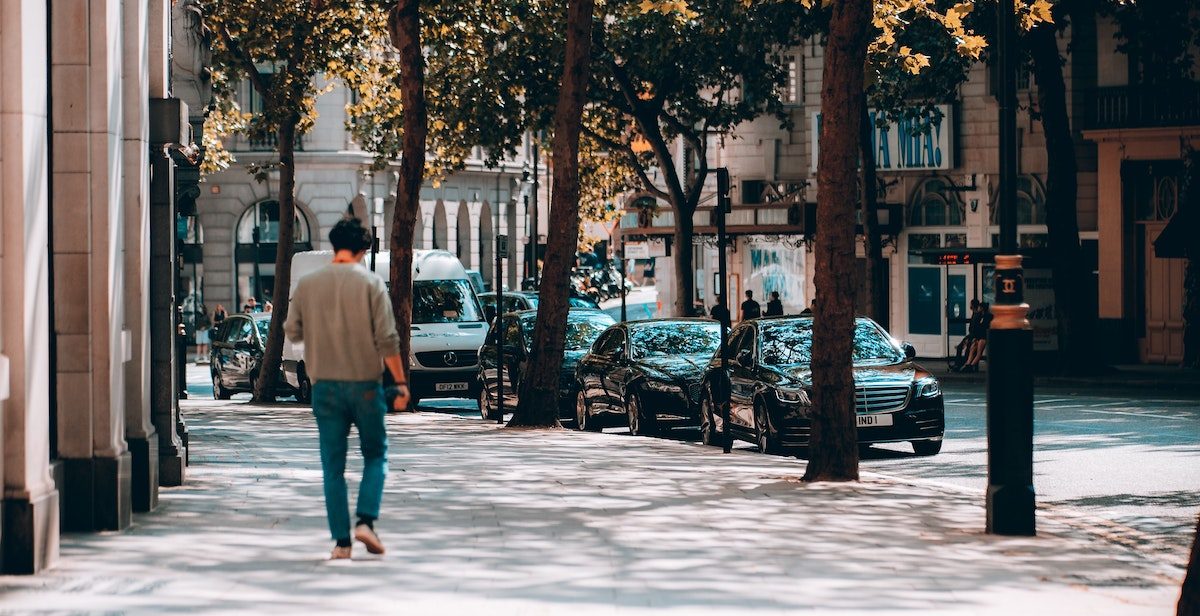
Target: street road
[{"x": 1132, "y": 458}]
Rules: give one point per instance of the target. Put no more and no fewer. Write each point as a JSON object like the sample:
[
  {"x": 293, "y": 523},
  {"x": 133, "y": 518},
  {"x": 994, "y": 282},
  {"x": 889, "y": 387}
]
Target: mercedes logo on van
[{"x": 451, "y": 358}]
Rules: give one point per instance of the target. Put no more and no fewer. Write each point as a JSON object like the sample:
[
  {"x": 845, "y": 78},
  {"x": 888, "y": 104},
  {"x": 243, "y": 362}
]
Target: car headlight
[
  {"x": 792, "y": 396},
  {"x": 928, "y": 388}
]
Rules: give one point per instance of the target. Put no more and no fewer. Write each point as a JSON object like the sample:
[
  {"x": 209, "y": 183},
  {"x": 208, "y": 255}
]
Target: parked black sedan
[
  {"x": 236, "y": 354},
  {"x": 584, "y": 325},
  {"x": 770, "y": 382},
  {"x": 640, "y": 371}
]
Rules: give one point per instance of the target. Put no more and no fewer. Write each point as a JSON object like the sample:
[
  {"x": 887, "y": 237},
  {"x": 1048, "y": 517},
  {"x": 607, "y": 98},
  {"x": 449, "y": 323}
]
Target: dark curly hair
[{"x": 349, "y": 234}]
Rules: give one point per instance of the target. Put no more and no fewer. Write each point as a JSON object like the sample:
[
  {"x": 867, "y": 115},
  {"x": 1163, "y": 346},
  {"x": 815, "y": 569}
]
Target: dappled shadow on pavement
[{"x": 479, "y": 518}]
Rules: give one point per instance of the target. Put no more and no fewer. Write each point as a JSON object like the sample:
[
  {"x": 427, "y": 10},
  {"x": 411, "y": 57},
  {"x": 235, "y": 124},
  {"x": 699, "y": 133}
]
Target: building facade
[
  {"x": 230, "y": 255},
  {"x": 90, "y": 144},
  {"x": 939, "y": 202}
]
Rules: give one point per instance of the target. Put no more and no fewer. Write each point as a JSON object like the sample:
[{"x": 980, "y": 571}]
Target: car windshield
[
  {"x": 675, "y": 338},
  {"x": 263, "y": 325},
  {"x": 579, "y": 302},
  {"x": 444, "y": 301},
  {"x": 582, "y": 328},
  {"x": 789, "y": 343}
]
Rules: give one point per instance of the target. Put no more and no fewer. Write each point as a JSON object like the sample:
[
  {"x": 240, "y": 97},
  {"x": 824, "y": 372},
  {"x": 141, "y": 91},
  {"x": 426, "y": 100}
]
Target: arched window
[
  {"x": 1031, "y": 202},
  {"x": 256, "y": 240},
  {"x": 264, "y": 216},
  {"x": 935, "y": 204}
]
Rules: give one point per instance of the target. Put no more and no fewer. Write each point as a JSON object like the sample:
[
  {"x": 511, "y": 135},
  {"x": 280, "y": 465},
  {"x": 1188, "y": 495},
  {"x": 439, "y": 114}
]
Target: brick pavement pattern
[{"x": 479, "y": 519}]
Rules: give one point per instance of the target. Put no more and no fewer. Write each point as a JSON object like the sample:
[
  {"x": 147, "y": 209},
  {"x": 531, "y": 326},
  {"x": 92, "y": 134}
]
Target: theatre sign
[{"x": 910, "y": 144}]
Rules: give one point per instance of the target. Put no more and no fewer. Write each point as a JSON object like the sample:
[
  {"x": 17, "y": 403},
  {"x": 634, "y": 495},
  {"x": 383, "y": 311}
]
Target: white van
[{"x": 448, "y": 325}]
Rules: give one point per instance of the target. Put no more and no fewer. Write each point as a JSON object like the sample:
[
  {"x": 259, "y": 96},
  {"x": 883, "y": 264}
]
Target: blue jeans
[{"x": 337, "y": 405}]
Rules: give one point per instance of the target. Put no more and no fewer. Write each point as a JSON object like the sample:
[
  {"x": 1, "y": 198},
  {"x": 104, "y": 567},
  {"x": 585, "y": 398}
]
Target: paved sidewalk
[{"x": 484, "y": 520}]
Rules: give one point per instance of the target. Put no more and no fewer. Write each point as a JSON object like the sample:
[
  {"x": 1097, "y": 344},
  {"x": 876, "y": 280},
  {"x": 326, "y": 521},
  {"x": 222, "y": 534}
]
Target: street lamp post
[
  {"x": 723, "y": 206},
  {"x": 533, "y": 215},
  {"x": 1010, "y": 494},
  {"x": 500, "y": 250}
]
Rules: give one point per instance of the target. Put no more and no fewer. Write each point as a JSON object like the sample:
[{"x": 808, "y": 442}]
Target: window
[
  {"x": 1031, "y": 202},
  {"x": 792, "y": 92},
  {"x": 742, "y": 340},
  {"x": 241, "y": 331},
  {"x": 789, "y": 343},
  {"x": 512, "y": 335},
  {"x": 935, "y": 203},
  {"x": 264, "y": 216},
  {"x": 611, "y": 343},
  {"x": 444, "y": 301},
  {"x": 668, "y": 339},
  {"x": 264, "y": 328},
  {"x": 584, "y": 329}
]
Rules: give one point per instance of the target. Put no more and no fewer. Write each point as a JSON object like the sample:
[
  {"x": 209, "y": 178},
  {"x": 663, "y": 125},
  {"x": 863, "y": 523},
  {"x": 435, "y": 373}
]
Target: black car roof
[{"x": 533, "y": 311}]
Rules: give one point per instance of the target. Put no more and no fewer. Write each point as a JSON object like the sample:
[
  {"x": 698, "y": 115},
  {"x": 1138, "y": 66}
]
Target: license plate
[
  {"x": 451, "y": 387},
  {"x": 874, "y": 421}
]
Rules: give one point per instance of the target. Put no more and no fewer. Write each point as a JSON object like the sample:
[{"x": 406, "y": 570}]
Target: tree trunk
[
  {"x": 685, "y": 278},
  {"x": 1189, "y": 599},
  {"x": 264, "y": 385},
  {"x": 538, "y": 399},
  {"x": 834, "y": 445},
  {"x": 1075, "y": 310},
  {"x": 404, "y": 26},
  {"x": 872, "y": 248}
]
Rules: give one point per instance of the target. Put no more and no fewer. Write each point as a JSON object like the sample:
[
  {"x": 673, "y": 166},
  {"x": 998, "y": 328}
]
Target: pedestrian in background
[
  {"x": 808, "y": 312},
  {"x": 268, "y": 307},
  {"x": 250, "y": 306},
  {"x": 720, "y": 312},
  {"x": 774, "y": 306},
  {"x": 979, "y": 340},
  {"x": 343, "y": 316},
  {"x": 219, "y": 315},
  {"x": 750, "y": 308}
]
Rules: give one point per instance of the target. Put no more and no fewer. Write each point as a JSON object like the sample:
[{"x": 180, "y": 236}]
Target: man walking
[
  {"x": 343, "y": 315},
  {"x": 750, "y": 308}
]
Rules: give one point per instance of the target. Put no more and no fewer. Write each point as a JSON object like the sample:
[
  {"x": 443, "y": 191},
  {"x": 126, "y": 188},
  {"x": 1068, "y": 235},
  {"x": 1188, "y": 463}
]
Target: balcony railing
[
  {"x": 1145, "y": 107},
  {"x": 269, "y": 143}
]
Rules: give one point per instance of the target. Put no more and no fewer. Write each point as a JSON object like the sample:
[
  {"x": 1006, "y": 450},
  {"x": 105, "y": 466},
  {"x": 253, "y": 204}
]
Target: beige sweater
[{"x": 343, "y": 316}]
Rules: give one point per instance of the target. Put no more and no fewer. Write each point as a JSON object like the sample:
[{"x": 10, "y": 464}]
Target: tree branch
[
  {"x": 623, "y": 149},
  {"x": 256, "y": 78}
]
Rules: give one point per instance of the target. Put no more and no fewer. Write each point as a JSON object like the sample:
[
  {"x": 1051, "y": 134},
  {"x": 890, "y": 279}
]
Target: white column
[
  {"x": 30, "y": 535},
  {"x": 139, "y": 431}
]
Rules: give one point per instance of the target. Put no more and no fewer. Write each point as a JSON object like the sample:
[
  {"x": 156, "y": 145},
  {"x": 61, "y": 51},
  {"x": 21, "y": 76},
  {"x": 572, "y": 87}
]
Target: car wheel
[
  {"x": 708, "y": 433},
  {"x": 486, "y": 410},
  {"x": 764, "y": 438},
  {"x": 640, "y": 423},
  {"x": 304, "y": 390},
  {"x": 219, "y": 391},
  {"x": 927, "y": 448},
  {"x": 583, "y": 418}
]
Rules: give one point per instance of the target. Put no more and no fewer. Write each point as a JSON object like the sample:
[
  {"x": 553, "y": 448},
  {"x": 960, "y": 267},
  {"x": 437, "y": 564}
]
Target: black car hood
[
  {"x": 684, "y": 367},
  {"x": 901, "y": 374}
]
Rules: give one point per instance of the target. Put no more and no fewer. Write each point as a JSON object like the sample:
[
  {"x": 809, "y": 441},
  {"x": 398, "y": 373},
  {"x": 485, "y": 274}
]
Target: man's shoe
[
  {"x": 340, "y": 553},
  {"x": 367, "y": 535}
]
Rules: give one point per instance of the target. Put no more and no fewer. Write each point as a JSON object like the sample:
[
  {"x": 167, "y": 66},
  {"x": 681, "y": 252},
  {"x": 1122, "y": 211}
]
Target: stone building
[
  {"x": 231, "y": 252},
  {"x": 941, "y": 196},
  {"x": 90, "y": 144}
]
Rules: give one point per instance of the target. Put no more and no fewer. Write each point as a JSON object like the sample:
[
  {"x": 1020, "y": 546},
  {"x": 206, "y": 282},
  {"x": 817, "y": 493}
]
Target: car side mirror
[{"x": 909, "y": 351}]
